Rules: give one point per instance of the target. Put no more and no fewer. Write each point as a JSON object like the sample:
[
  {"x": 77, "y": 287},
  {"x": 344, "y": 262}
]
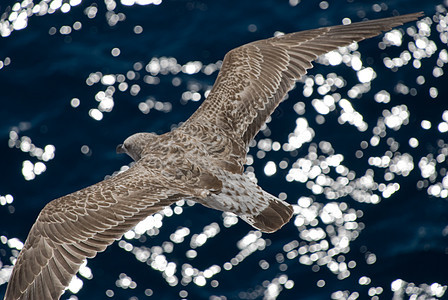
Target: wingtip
[
  {"x": 413, "y": 16},
  {"x": 400, "y": 19},
  {"x": 410, "y": 17}
]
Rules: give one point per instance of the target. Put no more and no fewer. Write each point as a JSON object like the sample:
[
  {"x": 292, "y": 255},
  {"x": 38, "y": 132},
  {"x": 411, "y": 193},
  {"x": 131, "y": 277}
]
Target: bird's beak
[{"x": 120, "y": 149}]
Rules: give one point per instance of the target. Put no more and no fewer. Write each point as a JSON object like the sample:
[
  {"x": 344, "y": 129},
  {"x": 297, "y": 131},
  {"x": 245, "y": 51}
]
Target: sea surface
[{"x": 359, "y": 147}]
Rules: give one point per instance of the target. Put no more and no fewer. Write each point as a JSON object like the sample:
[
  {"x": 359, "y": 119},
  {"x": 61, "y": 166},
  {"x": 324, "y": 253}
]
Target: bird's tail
[
  {"x": 243, "y": 197},
  {"x": 273, "y": 217}
]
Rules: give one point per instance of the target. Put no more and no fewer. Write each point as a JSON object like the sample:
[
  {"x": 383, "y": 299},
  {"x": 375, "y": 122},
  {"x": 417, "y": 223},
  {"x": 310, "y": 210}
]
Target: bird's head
[{"x": 135, "y": 145}]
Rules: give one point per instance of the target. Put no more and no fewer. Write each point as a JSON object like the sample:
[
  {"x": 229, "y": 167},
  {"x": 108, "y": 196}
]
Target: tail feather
[
  {"x": 272, "y": 218},
  {"x": 241, "y": 196}
]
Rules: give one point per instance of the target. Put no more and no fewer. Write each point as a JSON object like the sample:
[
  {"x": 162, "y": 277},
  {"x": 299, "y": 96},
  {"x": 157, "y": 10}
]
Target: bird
[{"x": 201, "y": 160}]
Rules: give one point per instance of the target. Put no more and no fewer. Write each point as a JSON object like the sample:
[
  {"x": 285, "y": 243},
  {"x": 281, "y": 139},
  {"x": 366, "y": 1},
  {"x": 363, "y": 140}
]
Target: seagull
[{"x": 201, "y": 160}]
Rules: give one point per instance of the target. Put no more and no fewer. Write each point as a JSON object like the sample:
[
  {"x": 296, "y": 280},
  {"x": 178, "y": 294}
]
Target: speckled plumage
[{"x": 201, "y": 160}]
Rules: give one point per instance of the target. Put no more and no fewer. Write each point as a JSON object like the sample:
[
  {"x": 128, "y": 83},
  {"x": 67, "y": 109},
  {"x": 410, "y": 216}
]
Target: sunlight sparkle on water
[
  {"x": 270, "y": 168},
  {"x": 75, "y": 285},
  {"x": 324, "y": 221},
  {"x": 125, "y": 282},
  {"x": 140, "y": 2}
]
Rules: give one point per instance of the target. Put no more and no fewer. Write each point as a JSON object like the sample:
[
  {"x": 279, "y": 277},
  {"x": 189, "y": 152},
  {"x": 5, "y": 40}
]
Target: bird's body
[
  {"x": 202, "y": 160},
  {"x": 222, "y": 184}
]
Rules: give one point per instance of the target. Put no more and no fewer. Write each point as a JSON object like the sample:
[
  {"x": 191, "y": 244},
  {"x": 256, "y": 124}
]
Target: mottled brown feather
[
  {"x": 255, "y": 77},
  {"x": 77, "y": 226}
]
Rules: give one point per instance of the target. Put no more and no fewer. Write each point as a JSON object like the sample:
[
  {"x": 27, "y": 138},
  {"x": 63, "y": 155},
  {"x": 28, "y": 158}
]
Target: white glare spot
[
  {"x": 426, "y": 124},
  {"x": 413, "y": 142},
  {"x": 108, "y": 79},
  {"x": 433, "y": 92},
  {"x": 21, "y": 21},
  {"x": 39, "y": 168},
  {"x": 396, "y": 285},
  {"x": 200, "y": 280},
  {"x": 65, "y": 8},
  {"x": 270, "y": 168},
  {"x": 366, "y": 75},
  {"x": 95, "y": 114},
  {"x": 393, "y": 37},
  {"x": 75, "y": 285},
  {"x": 75, "y": 102},
  {"x": 115, "y": 52},
  {"x": 15, "y": 243},
  {"x": 138, "y": 29},
  {"x": 443, "y": 127},
  {"x": 324, "y": 5},
  {"x": 192, "y": 67},
  {"x": 382, "y": 97},
  {"x": 334, "y": 58}
]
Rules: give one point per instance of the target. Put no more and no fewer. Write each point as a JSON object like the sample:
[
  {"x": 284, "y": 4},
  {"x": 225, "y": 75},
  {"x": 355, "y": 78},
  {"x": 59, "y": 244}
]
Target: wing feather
[
  {"x": 79, "y": 225},
  {"x": 255, "y": 78}
]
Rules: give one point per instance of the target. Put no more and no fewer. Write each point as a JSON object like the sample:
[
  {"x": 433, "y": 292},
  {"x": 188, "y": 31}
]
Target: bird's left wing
[
  {"x": 77, "y": 226},
  {"x": 255, "y": 77}
]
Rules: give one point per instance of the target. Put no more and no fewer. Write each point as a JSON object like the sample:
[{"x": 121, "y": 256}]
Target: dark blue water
[{"x": 402, "y": 237}]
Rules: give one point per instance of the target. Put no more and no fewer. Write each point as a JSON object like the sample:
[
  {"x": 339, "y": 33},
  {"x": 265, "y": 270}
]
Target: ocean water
[{"x": 359, "y": 147}]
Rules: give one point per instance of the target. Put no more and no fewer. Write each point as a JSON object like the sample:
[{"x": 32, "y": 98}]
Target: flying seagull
[{"x": 202, "y": 160}]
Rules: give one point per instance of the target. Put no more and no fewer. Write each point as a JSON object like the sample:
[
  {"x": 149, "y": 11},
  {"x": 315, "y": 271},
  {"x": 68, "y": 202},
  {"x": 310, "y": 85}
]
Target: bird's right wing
[{"x": 77, "y": 226}]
